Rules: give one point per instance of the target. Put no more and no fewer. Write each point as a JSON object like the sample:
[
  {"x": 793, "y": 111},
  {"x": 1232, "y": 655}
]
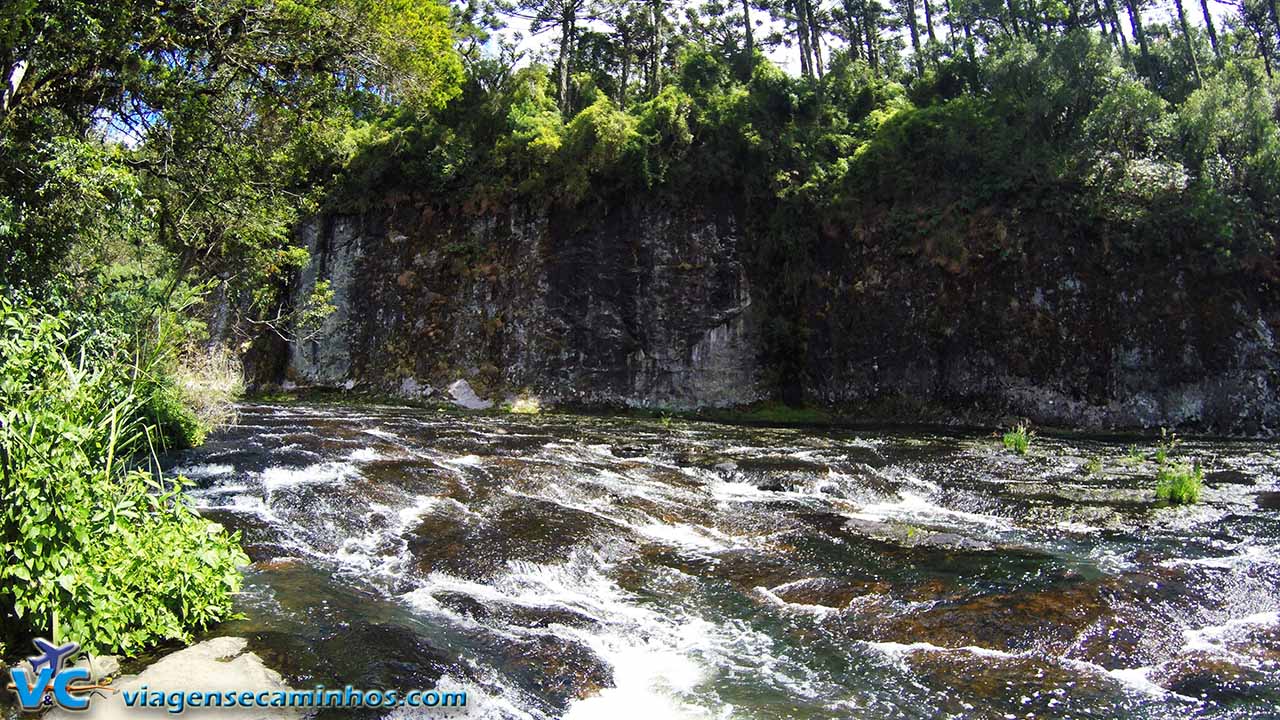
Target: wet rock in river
[
  {"x": 508, "y": 613},
  {"x": 911, "y": 536},
  {"x": 1021, "y": 686},
  {"x": 744, "y": 568},
  {"x": 829, "y": 592},
  {"x": 556, "y": 669},
  {"x": 1216, "y": 679},
  {"x": 481, "y": 547},
  {"x": 365, "y": 654},
  {"x": 1113, "y": 622},
  {"x": 1268, "y": 500},
  {"x": 1228, "y": 477}
]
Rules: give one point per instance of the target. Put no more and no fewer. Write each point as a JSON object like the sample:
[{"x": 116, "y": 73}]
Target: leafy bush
[
  {"x": 1179, "y": 484},
  {"x": 94, "y": 548},
  {"x": 1018, "y": 438}
]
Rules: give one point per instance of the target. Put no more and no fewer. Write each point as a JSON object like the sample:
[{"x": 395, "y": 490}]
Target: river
[{"x": 559, "y": 566}]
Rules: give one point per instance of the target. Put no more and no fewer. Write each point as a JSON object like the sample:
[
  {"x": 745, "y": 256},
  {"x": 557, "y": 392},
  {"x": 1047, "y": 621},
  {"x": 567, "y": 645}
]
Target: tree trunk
[
  {"x": 815, "y": 37},
  {"x": 626, "y": 70},
  {"x": 1013, "y": 18},
  {"x": 567, "y": 27},
  {"x": 1275, "y": 15},
  {"x": 796, "y": 8},
  {"x": 1186, "y": 38},
  {"x": 1208, "y": 25},
  {"x": 746, "y": 25},
  {"x": 951, "y": 25},
  {"x": 872, "y": 32},
  {"x": 1264, "y": 46},
  {"x": 655, "y": 79},
  {"x": 1102, "y": 22},
  {"x": 912, "y": 23},
  {"x": 853, "y": 30},
  {"x": 12, "y": 81},
  {"x": 1135, "y": 19},
  {"x": 1116, "y": 31},
  {"x": 928, "y": 22}
]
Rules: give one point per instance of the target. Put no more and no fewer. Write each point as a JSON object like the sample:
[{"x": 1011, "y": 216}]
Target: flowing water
[{"x": 588, "y": 567}]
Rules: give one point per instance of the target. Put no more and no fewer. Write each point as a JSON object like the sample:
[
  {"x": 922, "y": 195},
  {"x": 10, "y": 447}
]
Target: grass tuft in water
[
  {"x": 1168, "y": 443},
  {"x": 1018, "y": 439},
  {"x": 1179, "y": 484},
  {"x": 527, "y": 405}
]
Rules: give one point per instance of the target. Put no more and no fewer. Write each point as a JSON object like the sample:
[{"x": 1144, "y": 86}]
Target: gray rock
[
  {"x": 218, "y": 665},
  {"x": 99, "y": 667},
  {"x": 411, "y": 389},
  {"x": 910, "y": 536},
  {"x": 654, "y": 303},
  {"x": 464, "y": 396}
]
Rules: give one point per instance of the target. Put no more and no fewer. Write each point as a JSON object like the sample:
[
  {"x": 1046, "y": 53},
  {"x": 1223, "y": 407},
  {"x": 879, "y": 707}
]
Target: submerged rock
[{"x": 905, "y": 535}]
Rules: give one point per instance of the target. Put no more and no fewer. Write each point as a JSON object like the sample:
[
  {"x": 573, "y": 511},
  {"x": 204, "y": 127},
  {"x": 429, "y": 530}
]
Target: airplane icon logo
[{"x": 52, "y": 657}]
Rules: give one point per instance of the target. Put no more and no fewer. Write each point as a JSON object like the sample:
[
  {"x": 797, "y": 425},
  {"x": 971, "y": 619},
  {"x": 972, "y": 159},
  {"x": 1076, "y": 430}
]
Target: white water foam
[
  {"x": 1136, "y": 679},
  {"x": 380, "y": 433},
  {"x": 658, "y": 659},
  {"x": 366, "y": 454},
  {"x": 206, "y": 470},
  {"x": 1251, "y": 555},
  {"x": 1212, "y": 638},
  {"x": 685, "y": 535},
  {"x": 384, "y": 552},
  {"x": 910, "y": 506},
  {"x": 276, "y": 478},
  {"x": 805, "y": 608}
]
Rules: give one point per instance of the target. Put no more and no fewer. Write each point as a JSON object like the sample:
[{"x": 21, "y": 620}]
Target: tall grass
[
  {"x": 96, "y": 546},
  {"x": 1179, "y": 484},
  {"x": 1018, "y": 438}
]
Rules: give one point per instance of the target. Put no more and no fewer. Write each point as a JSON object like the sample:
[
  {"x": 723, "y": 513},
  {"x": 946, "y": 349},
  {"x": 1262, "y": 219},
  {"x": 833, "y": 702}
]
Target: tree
[
  {"x": 560, "y": 14},
  {"x": 907, "y": 8},
  {"x": 1208, "y": 25},
  {"x": 1135, "y": 20},
  {"x": 1186, "y": 38},
  {"x": 212, "y": 96}
]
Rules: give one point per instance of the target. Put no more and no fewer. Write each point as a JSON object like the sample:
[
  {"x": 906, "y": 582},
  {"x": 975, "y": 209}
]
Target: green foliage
[
  {"x": 1093, "y": 466},
  {"x": 595, "y": 143},
  {"x": 95, "y": 548},
  {"x": 1018, "y": 438},
  {"x": 193, "y": 127},
  {"x": 1169, "y": 441},
  {"x": 1179, "y": 484},
  {"x": 1128, "y": 121}
]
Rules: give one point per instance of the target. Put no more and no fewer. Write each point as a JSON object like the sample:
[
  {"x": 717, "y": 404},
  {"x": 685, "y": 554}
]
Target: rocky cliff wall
[
  {"x": 649, "y": 306},
  {"x": 656, "y": 304}
]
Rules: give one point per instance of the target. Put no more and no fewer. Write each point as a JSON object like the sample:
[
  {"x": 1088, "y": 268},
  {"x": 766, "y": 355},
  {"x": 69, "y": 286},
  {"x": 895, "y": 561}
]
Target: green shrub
[
  {"x": 94, "y": 548},
  {"x": 1018, "y": 438},
  {"x": 1094, "y": 466},
  {"x": 1179, "y": 484}
]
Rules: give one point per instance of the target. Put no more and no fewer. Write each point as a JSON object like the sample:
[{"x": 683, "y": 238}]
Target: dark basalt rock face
[
  {"x": 666, "y": 303},
  {"x": 650, "y": 307}
]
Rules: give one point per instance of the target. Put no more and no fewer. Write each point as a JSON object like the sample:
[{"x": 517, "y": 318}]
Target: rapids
[{"x": 592, "y": 567}]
